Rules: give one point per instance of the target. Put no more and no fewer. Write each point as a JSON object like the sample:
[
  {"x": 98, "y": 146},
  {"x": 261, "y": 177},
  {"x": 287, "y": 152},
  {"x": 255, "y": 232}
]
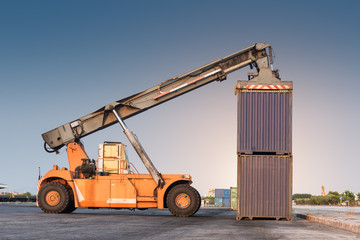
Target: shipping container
[
  {"x": 226, "y": 202},
  {"x": 222, "y": 193},
  {"x": 227, "y": 193},
  {"x": 219, "y": 193},
  {"x": 233, "y": 198},
  {"x": 222, "y": 202},
  {"x": 264, "y": 119},
  {"x": 218, "y": 202},
  {"x": 264, "y": 186}
]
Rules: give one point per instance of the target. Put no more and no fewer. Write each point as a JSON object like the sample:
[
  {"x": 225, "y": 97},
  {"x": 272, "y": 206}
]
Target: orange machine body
[{"x": 114, "y": 190}]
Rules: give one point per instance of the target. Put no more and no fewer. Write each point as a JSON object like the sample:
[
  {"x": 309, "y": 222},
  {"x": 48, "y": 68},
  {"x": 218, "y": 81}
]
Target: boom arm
[{"x": 127, "y": 107}]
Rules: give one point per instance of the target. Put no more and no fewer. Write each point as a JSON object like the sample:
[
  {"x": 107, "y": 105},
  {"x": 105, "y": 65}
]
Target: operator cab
[{"x": 112, "y": 159}]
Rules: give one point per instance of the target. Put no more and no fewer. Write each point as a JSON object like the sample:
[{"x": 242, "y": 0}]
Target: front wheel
[
  {"x": 183, "y": 201},
  {"x": 71, "y": 206},
  {"x": 54, "y": 197}
]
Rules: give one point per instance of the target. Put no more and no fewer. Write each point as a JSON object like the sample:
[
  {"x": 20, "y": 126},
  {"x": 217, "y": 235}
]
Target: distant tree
[
  {"x": 301, "y": 196},
  {"x": 335, "y": 193},
  {"x": 349, "y": 195},
  {"x": 315, "y": 200},
  {"x": 331, "y": 199},
  {"x": 358, "y": 196},
  {"x": 211, "y": 199},
  {"x": 27, "y": 194}
]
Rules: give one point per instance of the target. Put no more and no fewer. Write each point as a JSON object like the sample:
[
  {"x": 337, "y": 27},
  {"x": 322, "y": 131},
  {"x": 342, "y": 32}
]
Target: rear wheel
[
  {"x": 183, "y": 201},
  {"x": 54, "y": 197}
]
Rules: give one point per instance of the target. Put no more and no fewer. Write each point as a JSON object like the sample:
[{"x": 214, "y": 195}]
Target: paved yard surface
[{"x": 26, "y": 221}]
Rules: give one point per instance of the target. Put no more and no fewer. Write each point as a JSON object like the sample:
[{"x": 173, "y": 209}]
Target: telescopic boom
[{"x": 253, "y": 56}]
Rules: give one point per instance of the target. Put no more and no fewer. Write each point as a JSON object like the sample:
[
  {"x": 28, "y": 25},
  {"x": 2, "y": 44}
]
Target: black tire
[
  {"x": 71, "y": 207},
  {"x": 199, "y": 200},
  {"x": 142, "y": 209},
  {"x": 183, "y": 201},
  {"x": 54, "y": 197}
]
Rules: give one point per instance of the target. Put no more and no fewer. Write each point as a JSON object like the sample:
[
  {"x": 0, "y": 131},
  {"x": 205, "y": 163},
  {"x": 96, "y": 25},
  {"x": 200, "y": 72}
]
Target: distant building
[{"x": 211, "y": 193}]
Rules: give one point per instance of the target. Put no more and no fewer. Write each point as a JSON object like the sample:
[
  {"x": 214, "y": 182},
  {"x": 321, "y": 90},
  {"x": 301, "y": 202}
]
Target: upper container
[
  {"x": 220, "y": 193},
  {"x": 264, "y": 117}
]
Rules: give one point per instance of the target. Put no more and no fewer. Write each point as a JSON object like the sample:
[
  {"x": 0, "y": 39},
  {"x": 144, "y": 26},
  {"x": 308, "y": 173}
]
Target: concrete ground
[
  {"x": 347, "y": 218},
  {"x": 26, "y": 221}
]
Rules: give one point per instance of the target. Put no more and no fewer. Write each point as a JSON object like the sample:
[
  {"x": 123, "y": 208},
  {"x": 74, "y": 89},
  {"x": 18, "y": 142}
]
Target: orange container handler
[{"x": 63, "y": 190}]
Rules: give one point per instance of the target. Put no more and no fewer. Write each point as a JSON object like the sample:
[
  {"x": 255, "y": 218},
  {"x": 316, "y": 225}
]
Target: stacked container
[
  {"x": 222, "y": 197},
  {"x": 264, "y": 147}
]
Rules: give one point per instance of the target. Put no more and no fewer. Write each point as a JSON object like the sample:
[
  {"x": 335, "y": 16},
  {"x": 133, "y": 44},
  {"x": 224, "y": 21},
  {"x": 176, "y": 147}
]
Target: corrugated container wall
[
  {"x": 233, "y": 198},
  {"x": 222, "y": 202},
  {"x": 264, "y": 186},
  {"x": 264, "y": 121},
  {"x": 226, "y": 202},
  {"x": 218, "y": 202},
  {"x": 222, "y": 197},
  {"x": 219, "y": 193}
]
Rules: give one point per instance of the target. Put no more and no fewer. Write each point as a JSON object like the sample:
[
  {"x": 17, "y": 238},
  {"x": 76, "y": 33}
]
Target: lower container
[
  {"x": 222, "y": 202},
  {"x": 218, "y": 202},
  {"x": 264, "y": 187},
  {"x": 226, "y": 202}
]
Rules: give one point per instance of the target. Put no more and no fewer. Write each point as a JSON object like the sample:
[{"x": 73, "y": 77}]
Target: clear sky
[{"x": 60, "y": 60}]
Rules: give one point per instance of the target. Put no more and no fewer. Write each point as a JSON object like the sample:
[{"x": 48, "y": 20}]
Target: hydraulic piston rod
[{"x": 141, "y": 152}]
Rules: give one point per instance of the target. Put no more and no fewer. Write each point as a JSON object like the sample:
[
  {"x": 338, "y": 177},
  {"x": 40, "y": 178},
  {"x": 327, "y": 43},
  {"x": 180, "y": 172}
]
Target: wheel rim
[
  {"x": 182, "y": 200},
  {"x": 52, "y": 198}
]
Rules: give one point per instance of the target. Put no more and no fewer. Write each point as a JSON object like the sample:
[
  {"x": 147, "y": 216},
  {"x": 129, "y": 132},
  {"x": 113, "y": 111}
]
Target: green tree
[
  {"x": 329, "y": 199},
  {"x": 301, "y": 196},
  {"x": 335, "y": 193},
  {"x": 349, "y": 195},
  {"x": 332, "y": 199},
  {"x": 211, "y": 199},
  {"x": 358, "y": 196}
]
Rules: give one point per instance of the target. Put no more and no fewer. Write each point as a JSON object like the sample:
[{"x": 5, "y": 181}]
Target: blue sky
[{"x": 60, "y": 60}]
